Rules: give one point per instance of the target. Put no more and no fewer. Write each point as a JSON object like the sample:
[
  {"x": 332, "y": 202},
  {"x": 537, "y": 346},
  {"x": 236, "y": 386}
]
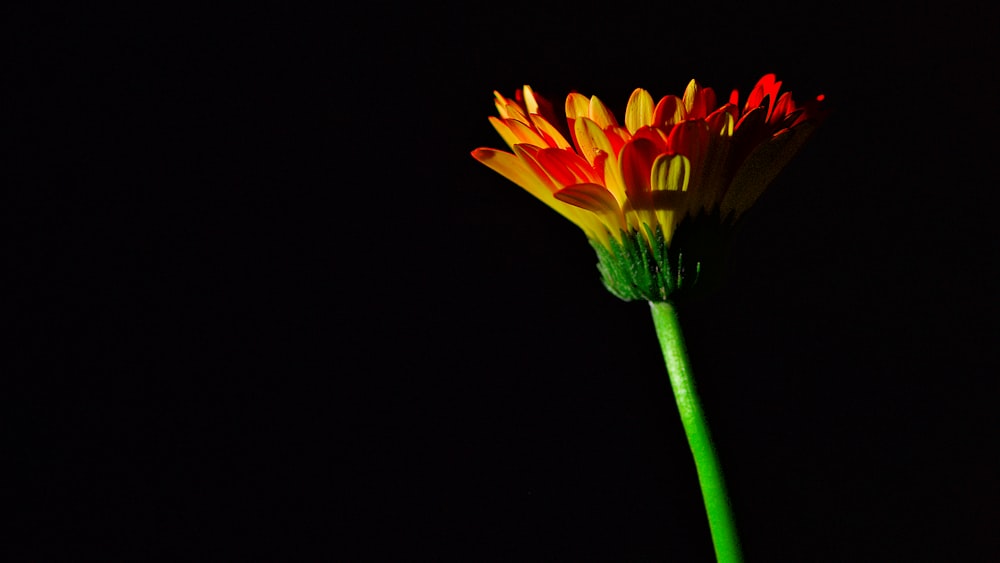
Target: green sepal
[{"x": 643, "y": 266}]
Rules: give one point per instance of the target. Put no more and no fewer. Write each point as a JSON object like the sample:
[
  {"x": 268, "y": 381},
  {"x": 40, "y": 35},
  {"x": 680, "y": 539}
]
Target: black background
[{"x": 268, "y": 308}]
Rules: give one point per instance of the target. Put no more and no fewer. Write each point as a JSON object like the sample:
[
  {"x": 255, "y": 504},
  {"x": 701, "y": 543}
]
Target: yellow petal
[
  {"x": 507, "y": 108},
  {"x": 501, "y": 103},
  {"x": 530, "y": 103},
  {"x": 515, "y": 132},
  {"x": 668, "y": 220},
  {"x": 670, "y": 172},
  {"x": 519, "y": 171},
  {"x": 593, "y": 197},
  {"x": 577, "y": 105},
  {"x": 591, "y": 139},
  {"x": 689, "y": 95},
  {"x": 547, "y": 128},
  {"x": 639, "y": 111},
  {"x": 597, "y": 199},
  {"x": 669, "y": 180},
  {"x": 613, "y": 179},
  {"x": 601, "y": 114},
  {"x": 514, "y": 169}
]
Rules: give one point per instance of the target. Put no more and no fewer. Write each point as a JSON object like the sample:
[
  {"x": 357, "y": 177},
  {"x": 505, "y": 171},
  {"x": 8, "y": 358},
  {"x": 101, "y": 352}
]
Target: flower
[{"x": 632, "y": 187}]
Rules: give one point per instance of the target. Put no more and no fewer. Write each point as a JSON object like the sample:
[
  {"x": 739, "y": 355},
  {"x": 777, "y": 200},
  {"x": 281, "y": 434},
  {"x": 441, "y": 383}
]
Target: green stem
[{"x": 713, "y": 488}]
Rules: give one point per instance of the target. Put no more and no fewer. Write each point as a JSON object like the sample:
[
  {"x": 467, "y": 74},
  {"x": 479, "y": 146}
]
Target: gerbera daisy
[{"x": 630, "y": 187}]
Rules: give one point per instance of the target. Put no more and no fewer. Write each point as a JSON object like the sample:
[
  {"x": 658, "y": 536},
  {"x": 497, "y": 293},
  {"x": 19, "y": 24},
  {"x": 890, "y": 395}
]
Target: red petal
[
  {"x": 718, "y": 119},
  {"x": 566, "y": 167},
  {"x": 761, "y": 89},
  {"x": 784, "y": 107},
  {"x": 636, "y": 161},
  {"x": 704, "y": 103},
  {"x": 690, "y": 138},
  {"x": 654, "y": 134},
  {"x": 669, "y": 110}
]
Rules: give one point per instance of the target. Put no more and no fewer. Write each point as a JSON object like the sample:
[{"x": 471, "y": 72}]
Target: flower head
[{"x": 631, "y": 186}]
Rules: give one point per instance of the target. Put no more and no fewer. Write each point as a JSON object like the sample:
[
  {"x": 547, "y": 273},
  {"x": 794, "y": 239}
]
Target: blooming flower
[{"x": 630, "y": 187}]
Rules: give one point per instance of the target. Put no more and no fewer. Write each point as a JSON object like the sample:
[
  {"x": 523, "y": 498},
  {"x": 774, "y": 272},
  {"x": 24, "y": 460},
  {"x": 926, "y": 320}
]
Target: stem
[{"x": 713, "y": 488}]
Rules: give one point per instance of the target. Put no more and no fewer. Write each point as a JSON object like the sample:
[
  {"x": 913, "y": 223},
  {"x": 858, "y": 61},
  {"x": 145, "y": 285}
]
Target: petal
[
  {"x": 760, "y": 168},
  {"x": 613, "y": 179},
  {"x": 763, "y": 87},
  {"x": 591, "y": 139},
  {"x": 698, "y": 101},
  {"x": 507, "y": 108},
  {"x": 529, "y": 156},
  {"x": 723, "y": 120},
  {"x": 752, "y": 121},
  {"x": 530, "y": 103},
  {"x": 705, "y": 104},
  {"x": 514, "y": 169},
  {"x": 601, "y": 114},
  {"x": 566, "y": 167},
  {"x": 617, "y": 136},
  {"x": 552, "y": 136},
  {"x": 783, "y": 108},
  {"x": 767, "y": 87},
  {"x": 601, "y": 208},
  {"x": 542, "y": 106},
  {"x": 516, "y": 132},
  {"x": 690, "y": 95},
  {"x": 639, "y": 111},
  {"x": 690, "y": 138},
  {"x": 812, "y": 110},
  {"x": 592, "y": 197},
  {"x": 658, "y": 135},
  {"x": 577, "y": 105},
  {"x": 670, "y": 176},
  {"x": 636, "y": 161},
  {"x": 669, "y": 110},
  {"x": 670, "y": 172},
  {"x": 523, "y": 170}
]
